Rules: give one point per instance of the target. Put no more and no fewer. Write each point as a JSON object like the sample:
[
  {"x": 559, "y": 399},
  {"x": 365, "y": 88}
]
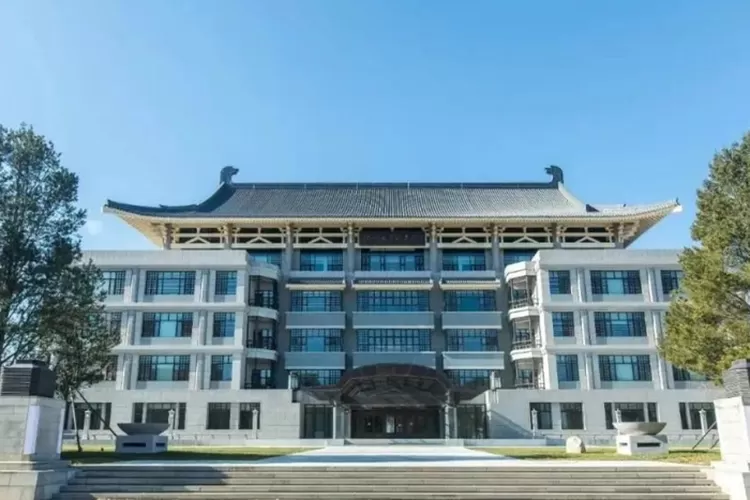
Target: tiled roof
[{"x": 420, "y": 200}]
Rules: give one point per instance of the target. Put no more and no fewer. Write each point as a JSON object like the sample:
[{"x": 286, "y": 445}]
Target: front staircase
[{"x": 529, "y": 482}]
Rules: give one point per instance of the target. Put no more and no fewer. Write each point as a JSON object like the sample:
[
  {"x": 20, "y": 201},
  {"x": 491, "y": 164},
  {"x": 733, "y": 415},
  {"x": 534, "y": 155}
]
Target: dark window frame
[
  {"x": 670, "y": 281},
  {"x": 223, "y": 325},
  {"x": 543, "y": 416},
  {"x": 559, "y": 282},
  {"x": 302, "y": 300},
  {"x": 640, "y": 365},
  {"x": 302, "y": 339},
  {"x": 690, "y": 415},
  {"x": 321, "y": 260},
  {"x": 612, "y": 324},
  {"x": 226, "y": 283},
  {"x": 458, "y": 340},
  {"x": 378, "y": 260},
  {"x": 170, "y": 283},
  {"x": 317, "y": 378},
  {"x": 393, "y": 301},
  {"x": 246, "y": 416},
  {"x": 568, "y": 364},
  {"x": 570, "y": 416},
  {"x": 148, "y": 367},
  {"x": 221, "y": 368},
  {"x": 563, "y": 324},
  {"x": 451, "y": 260},
  {"x": 470, "y": 300},
  {"x": 473, "y": 378},
  {"x": 154, "y": 321},
  {"x": 630, "y": 282},
  {"x": 218, "y": 416},
  {"x": 394, "y": 340},
  {"x": 113, "y": 282}
]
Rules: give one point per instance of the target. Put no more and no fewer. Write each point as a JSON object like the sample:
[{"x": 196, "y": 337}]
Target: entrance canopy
[{"x": 390, "y": 384}]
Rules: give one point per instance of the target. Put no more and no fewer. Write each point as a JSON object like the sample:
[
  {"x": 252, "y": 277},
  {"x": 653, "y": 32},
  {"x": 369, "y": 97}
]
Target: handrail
[{"x": 712, "y": 427}]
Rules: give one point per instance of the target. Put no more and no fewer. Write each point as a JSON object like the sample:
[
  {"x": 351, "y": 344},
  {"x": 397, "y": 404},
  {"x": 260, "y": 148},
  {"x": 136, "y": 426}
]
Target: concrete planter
[{"x": 640, "y": 428}]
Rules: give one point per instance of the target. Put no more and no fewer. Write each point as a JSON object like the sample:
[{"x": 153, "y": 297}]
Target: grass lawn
[
  {"x": 106, "y": 454},
  {"x": 684, "y": 456}
]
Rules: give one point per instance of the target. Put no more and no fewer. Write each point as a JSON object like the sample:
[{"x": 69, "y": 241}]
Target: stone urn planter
[
  {"x": 639, "y": 428},
  {"x": 142, "y": 429}
]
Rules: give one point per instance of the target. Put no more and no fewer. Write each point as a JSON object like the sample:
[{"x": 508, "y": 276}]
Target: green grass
[
  {"x": 685, "y": 456},
  {"x": 98, "y": 454}
]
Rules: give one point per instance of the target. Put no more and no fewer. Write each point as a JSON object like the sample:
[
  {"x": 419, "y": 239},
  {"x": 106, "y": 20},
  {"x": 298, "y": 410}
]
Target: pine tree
[{"x": 708, "y": 324}]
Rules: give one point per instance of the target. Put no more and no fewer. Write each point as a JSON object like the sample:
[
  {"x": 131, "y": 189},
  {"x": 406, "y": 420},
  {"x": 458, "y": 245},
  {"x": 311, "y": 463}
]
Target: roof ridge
[{"x": 394, "y": 185}]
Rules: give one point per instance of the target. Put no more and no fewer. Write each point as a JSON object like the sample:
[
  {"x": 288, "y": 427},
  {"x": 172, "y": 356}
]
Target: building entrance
[{"x": 385, "y": 423}]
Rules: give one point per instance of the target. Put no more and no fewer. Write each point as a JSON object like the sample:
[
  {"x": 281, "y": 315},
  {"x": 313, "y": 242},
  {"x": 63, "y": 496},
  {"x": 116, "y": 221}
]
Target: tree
[
  {"x": 80, "y": 338},
  {"x": 39, "y": 240},
  {"x": 708, "y": 324}
]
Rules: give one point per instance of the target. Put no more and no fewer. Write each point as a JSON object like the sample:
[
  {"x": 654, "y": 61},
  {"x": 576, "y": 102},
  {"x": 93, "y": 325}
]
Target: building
[{"x": 474, "y": 311}]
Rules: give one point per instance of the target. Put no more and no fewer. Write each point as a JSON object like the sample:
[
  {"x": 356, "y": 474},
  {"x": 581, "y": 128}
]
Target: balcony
[
  {"x": 392, "y": 280},
  {"x": 473, "y": 360},
  {"x": 522, "y": 301},
  {"x": 393, "y": 319},
  {"x": 264, "y": 304},
  {"x": 479, "y": 279},
  {"x": 311, "y": 279},
  {"x": 472, "y": 319},
  {"x": 529, "y": 375},
  {"x": 316, "y": 319},
  {"x": 261, "y": 347},
  {"x": 266, "y": 270},
  {"x": 426, "y": 358},
  {"x": 311, "y": 360}
]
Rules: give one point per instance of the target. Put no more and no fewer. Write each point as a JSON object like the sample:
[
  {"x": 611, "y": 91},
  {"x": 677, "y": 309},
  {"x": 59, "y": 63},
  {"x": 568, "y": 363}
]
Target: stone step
[{"x": 344, "y": 468}]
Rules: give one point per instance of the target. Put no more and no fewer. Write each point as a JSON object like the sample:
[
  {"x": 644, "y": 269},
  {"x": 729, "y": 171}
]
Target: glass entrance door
[{"x": 384, "y": 423}]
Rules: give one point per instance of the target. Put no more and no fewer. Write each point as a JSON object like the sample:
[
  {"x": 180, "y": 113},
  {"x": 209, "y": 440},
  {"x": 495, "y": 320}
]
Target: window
[
  {"x": 221, "y": 368},
  {"x": 528, "y": 376},
  {"x": 461, "y": 260},
  {"x": 158, "y": 413},
  {"x": 110, "y": 369},
  {"x": 218, "y": 416},
  {"x": 260, "y": 378},
  {"x": 314, "y": 378},
  {"x": 99, "y": 412},
  {"x": 469, "y": 300},
  {"x": 317, "y": 421},
  {"x": 670, "y": 282},
  {"x": 571, "y": 415},
  {"x": 567, "y": 368},
  {"x": 543, "y": 415},
  {"x": 394, "y": 340},
  {"x": 267, "y": 256},
  {"x": 114, "y": 319},
  {"x": 615, "y": 282},
  {"x": 472, "y": 340},
  {"x": 167, "y": 325},
  {"x": 471, "y": 421},
  {"x": 223, "y": 325},
  {"x": 163, "y": 368},
  {"x": 625, "y": 368},
  {"x": 265, "y": 298},
  {"x": 314, "y": 340},
  {"x": 690, "y": 415},
  {"x": 265, "y": 338},
  {"x": 630, "y": 412},
  {"x": 375, "y": 260},
  {"x": 316, "y": 301},
  {"x": 393, "y": 300},
  {"x": 559, "y": 282},
  {"x": 516, "y": 256},
  {"x": 563, "y": 324},
  {"x": 246, "y": 415},
  {"x": 620, "y": 324},
  {"x": 170, "y": 282},
  {"x": 312, "y": 260},
  {"x": 523, "y": 335},
  {"x": 226, "y": 283},
  {"x": 685, "y": 375},
  {"x": 470, "y": 378},
  {"x": 113, "y": 282}
]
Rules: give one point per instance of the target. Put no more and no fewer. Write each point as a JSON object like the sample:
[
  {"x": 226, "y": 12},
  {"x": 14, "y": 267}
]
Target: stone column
[
  {"x": 447, "y": 421},
  {"x": 334, "y": 416},
  {"x": 255, "y": 423},
  {"x": 86, "y": 424}
]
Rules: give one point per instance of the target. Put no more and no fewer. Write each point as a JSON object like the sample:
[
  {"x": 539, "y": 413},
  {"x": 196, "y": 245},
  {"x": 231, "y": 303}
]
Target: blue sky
[{"x": 147, "y": 100}]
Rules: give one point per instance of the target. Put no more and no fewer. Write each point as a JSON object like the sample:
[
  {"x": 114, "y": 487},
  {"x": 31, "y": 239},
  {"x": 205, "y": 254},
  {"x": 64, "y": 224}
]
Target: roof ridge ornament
[
  {"x": 227, "y": 173},
  {"x": 556, "y": 173}
]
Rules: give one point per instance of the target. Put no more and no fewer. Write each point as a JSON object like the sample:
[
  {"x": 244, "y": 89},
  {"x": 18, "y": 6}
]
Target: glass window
[
  {"x": 223, "y": 325},
  {"x": 470, "y": 378},
  {"x": 559, "y": 282},
  {"x": 543, "y": 415},
  {"x": 563, "y": 324},
  {"x": 263, "y": 338},
  {"x": 393, "y": 300},
  {"x": 685, "y": 375},
  {"x": 170, "y": 282},
  {"x": 472, "y": 340},
  {"x": 315, "y": 340},
  {"x": 221, "y": 368},
  {"x": 167, "y": 325},
  {"x": 690, "y": 415},
  {"x": 260, "y": 378},
  {"x": 472, "y": 421},
  {"x": 158, "y": 413},
  {"x": 265, "y": 298},
  {"x": 630, "y": 412},
  {"x": 567, "y": 368},
  {"x": 99, "y": 412},
  {"x": 376, "y": 260},
  {"x": 615, "y": 282},
  {"x": 469, "y": 300},
  {"x": 620, "y": 324},
  {"x": 670, "y": 282},
  {"x": 462, "y": 260},
  {"x": 113, "y": 282},
  {"x": 316, "y": 260},
  {"x": 516, "y": 256},
  {"x": 571, "y": 415},
  {"x": 394, "y": 340},
  {"x": 314, "y": 378},
  {"x": 163, "y": 368},
  {"x": 316, "y": 301},
  {"x": 246, "y": 415},
  {"x": 226, "y": 283},
  {"x": 317, "y": 421},
  {"x": 625, "y": 368},
  {"x": 266, "y": 256},
  {"x": 218, "y": 416}
]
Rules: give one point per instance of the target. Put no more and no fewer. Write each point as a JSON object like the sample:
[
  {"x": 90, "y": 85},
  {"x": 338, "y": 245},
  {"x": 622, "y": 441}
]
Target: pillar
[
  {"x": 255, "y": 423},
  {"x": 334, "y": 415},
  {"x": 86, "y": 424},
  {"x": 198, "y": 372},
  {"x": 447, "y": 421},
  {"x": 350, "y": 251}
]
